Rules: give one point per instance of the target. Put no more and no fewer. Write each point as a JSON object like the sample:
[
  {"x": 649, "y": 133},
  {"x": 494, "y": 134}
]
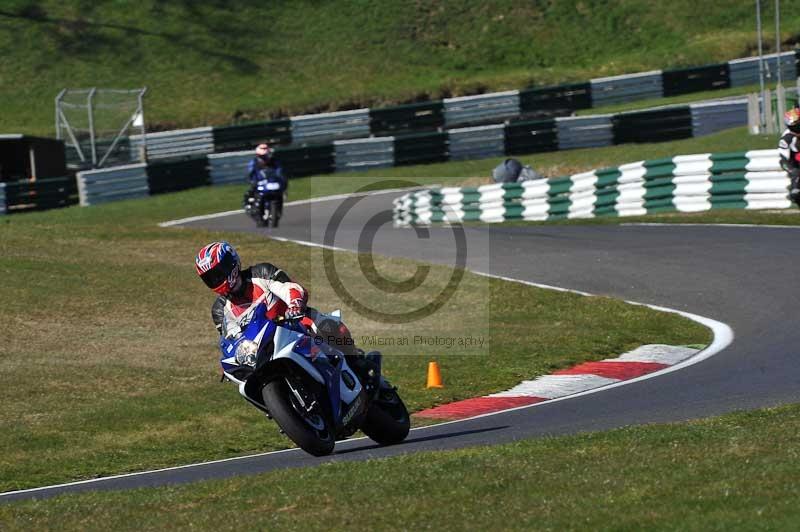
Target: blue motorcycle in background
[
  {"x": 264, "y": 201},
  {"x": 306, "y": 385}
]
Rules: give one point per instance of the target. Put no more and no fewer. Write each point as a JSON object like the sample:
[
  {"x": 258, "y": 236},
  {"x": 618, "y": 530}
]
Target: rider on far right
[{"x": 789, "y": 151}]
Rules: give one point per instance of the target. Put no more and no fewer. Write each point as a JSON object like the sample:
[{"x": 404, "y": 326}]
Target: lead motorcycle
[{"x": 306, "y": 385}]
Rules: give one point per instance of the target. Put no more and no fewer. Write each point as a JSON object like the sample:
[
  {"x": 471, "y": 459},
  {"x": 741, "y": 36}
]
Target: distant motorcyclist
[
  {"x": 789, "y": 150},
  {"x": 265, "y": 168},
  {"x": 219, "y": 267}
]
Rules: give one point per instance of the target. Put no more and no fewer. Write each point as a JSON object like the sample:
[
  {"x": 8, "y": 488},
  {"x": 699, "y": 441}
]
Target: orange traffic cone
[{"x": 434, "y": 376}]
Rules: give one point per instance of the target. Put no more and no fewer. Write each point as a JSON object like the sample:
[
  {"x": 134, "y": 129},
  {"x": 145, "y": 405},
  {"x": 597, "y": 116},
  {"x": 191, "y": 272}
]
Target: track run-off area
[{"x": 737, "y": 280}]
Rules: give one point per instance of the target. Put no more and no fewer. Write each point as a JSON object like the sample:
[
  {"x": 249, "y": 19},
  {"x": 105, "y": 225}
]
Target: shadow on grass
[
  {"x": 80, "y": 34},
  {"x": 421, "y": 439}
]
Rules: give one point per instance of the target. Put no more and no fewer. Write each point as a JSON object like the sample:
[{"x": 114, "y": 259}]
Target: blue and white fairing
[{"x": 255, "y": 343}]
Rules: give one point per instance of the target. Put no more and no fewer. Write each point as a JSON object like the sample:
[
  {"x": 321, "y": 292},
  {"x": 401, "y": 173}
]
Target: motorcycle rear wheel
[
  {"x": 387, "y": 421},
  {"x": 311, "y": 432}
]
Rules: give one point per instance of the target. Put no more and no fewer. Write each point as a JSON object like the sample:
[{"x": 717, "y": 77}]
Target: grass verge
[{"x": 735, "y": 472}]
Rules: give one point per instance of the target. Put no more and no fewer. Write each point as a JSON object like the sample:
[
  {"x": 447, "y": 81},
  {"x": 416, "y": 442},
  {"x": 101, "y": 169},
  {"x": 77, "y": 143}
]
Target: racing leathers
[
  {"x": 259, "y": 169},
  {"x": 789, "y": 150},
  {"x": 268, "y": 283},
  {"x": 260, "y": 282}
]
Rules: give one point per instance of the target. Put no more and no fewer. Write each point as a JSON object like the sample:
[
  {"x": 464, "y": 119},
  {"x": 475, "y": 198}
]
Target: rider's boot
[{"x": 365, "y": 366}]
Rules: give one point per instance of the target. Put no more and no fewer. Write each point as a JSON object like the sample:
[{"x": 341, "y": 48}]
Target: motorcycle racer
[
  {"x": 219, "y": 266},
  {"x": 789, "y": 150},
  {"x": 239, "y": 290}
]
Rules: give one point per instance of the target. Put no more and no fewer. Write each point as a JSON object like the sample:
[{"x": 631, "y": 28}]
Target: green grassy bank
[{"x": 209, "y": 63}]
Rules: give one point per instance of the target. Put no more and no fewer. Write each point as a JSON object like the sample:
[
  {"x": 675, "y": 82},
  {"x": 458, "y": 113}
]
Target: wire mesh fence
[{"x": 95, "y": 125}]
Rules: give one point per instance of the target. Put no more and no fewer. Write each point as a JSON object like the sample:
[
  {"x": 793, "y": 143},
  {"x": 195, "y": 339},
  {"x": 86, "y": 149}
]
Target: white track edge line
[
  {"x": 723, "y": 336},
  {"x": 141, "y": 473}
]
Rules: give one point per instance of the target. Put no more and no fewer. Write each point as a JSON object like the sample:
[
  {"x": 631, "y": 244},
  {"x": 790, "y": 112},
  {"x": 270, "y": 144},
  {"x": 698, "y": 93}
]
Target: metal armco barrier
[
  {"x": 420, "y": 148},
  {"x": 532, "y": 136},
  {"x": 228, "y": 168},
  {"x": 708, "y": 118},
  {"x": 361, "y": 154},
  {"x": 314, "y": 129},
  {"x": 307, "y": 160},
  {"x": 617, "y": 89},
  {"x": 174, "y": 175},
  {"x": 415, "y": 117},
  {"x": 484, "y": 108},
  {"x": 112, "y": 184},
  {"x": 584, "y": 131},
  {"x": 554, "y": 99},
  {"x": 686, "y": 183},
  {"x": 243, "y": 137},
  {"x": 657, "y": 125},
  {"x": 696, "y": 79},
  {"x": 170, "y": 144},
  {"x": 745, "y": 71},
  {"x": 476, "y": 142}
]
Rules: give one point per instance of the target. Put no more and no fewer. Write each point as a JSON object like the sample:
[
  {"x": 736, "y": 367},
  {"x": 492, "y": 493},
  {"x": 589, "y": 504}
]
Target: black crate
[
  {"x": 531, "y": 136},
  {"x": 696, "y": 79},
  {"x": 653, "y": 126},
  {"x": 557, "y": 98},
  {"x": 42, "y": 194},
  {"x": 424, "y": 116},
  {"x": 171, "y": 175},
  {"x": 420, "y": 148}
]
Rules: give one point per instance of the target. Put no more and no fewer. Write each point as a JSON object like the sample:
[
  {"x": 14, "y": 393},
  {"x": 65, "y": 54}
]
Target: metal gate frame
[{"x": 137, "y": 119}]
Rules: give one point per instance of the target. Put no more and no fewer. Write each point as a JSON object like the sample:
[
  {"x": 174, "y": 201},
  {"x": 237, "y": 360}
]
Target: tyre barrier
[
  {"x": 327, "y": 127},
  {"x": 362, "y": 154},
  {"x": 619, "y": 89},
  {"x": 685, "y": 183},
  {"x": 112, "y": 184},
  {"x": 483, "y": 108}
]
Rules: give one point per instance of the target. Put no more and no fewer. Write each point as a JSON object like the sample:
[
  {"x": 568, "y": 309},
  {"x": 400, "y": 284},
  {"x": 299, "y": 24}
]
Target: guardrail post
[
  {"x": 753, "y": 114},
  {"x": 90, "y": 111}
]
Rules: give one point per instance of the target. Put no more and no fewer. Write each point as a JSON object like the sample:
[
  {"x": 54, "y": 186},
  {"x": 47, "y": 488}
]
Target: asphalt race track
[{"x": 742, "y": 276}]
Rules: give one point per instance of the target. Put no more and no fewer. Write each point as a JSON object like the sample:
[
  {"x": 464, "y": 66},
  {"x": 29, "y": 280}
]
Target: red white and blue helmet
[{"x": 218, "y": 265}]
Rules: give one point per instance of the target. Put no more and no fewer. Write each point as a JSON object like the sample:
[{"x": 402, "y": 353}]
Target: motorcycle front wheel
[{"x": 309, "y": 428}]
